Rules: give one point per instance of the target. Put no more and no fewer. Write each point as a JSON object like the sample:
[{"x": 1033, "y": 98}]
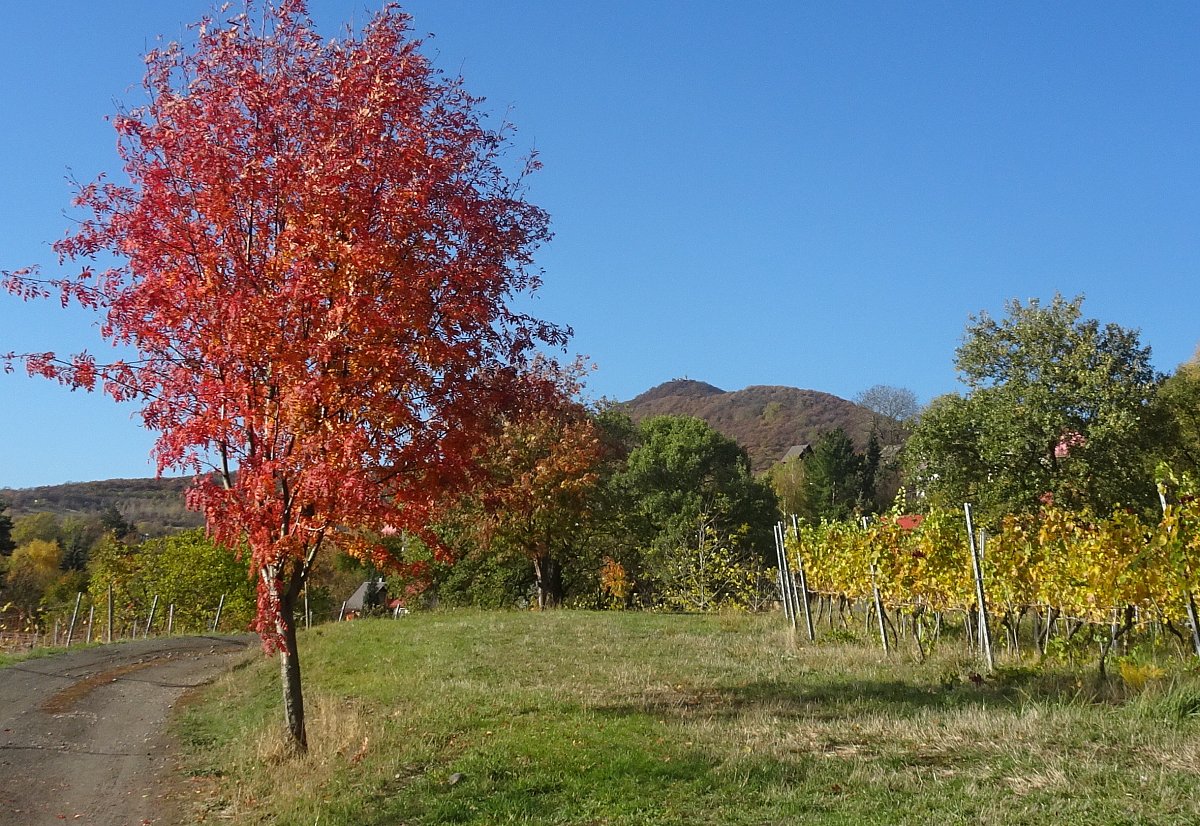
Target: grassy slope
[{"x": 571, "y": 717}]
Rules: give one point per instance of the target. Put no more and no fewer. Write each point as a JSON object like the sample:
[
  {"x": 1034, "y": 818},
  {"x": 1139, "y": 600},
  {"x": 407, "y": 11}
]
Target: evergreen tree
[
  {"x": 835, "y": 477},
  {"x": 113, "y": 522},
  {"x": 870, "y": 474}
]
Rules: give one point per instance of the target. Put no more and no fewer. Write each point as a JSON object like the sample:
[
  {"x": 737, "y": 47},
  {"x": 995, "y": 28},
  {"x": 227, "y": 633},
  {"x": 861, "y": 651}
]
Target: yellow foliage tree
[{"x": 34, "y": 567}]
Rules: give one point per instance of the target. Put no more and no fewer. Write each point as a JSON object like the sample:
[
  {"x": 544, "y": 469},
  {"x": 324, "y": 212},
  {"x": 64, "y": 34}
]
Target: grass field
[
  {"x": 10, "y": 657},
  {"x": 631, "y": 718}
]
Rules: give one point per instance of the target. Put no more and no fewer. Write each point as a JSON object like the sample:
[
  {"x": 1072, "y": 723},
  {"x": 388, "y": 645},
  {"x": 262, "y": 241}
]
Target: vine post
[
  {"x": 74, "y": 616},
  {"x": 985, "y": 633},
  {"x": 789, "y": 609},
  {"x": 217, "y": 618},
  {"x": 879, "y": 615},
  {"x": 789, "y": 575},
  {"x": 150, "y": 619},
  {"x": 808, "y": 620}
]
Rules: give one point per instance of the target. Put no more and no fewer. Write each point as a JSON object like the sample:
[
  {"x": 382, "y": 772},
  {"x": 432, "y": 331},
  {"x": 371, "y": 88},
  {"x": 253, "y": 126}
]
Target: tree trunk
[
  {"x": 289, "y": 664},
  {"x": 549, "y": 581}
]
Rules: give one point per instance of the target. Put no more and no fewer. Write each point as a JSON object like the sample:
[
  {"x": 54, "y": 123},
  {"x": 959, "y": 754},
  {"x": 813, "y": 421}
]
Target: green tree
[
  {"x": 872, "y": 476},
  {"x": 1056, "y": 405},
  {"x": 787, "y": 479},
  {"x": 31, "y": 526},
  {"x": 839, "y": 482},
  {"x": 1179, "y": 404},
  {"x": 683, "y": 480},
  {"x": 482, "y": 580},
  {"x": 707, "y": 573},
  {"x": 77, "y": 535},
  {"x": 113, "y": 521},
  {"x": 59, "y": 595},
  {"x": 193, "y": 573},
  {"x": 185, "y": 570},
  {"x": 114, "y": 565}
]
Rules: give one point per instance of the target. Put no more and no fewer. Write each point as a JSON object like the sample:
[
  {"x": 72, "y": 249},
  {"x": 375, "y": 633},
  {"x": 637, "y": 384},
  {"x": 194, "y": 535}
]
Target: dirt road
[{"x": 82, "y": 735}]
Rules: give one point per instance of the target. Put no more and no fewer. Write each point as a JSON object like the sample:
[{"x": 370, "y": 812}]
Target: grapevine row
[{"x": 1073, "y": 563}]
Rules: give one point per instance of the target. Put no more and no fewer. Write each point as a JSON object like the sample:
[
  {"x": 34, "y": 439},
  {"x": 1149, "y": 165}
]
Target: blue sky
[{"x": 807, "y": 194}]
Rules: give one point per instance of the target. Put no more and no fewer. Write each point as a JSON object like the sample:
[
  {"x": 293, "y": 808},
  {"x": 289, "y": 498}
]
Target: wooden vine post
[{"x": 985, "y": 633}]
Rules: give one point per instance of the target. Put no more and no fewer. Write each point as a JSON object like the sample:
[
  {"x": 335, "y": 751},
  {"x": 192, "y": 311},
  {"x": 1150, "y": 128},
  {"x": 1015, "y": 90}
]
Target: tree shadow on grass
[
  {"x": 810, "y": 701},
  {"x": 832, "y": 698},
  {"x": 628, "y": 767},
  {"x": 647, "y": 780}
]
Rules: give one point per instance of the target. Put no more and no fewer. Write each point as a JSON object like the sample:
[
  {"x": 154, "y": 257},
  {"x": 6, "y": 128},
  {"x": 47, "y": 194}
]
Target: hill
[
  {"x": 156, "y": 506},
  {"x": 765, "y": 420}
]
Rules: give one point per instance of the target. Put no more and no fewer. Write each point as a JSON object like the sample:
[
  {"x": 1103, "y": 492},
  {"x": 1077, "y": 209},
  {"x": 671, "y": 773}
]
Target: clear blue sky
[{"x": 806, "y": 194}]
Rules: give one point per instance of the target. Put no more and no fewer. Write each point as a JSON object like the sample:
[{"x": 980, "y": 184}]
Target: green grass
[
  {"x": 627, "y": 718},
  {"x": 10, "y": 657}
]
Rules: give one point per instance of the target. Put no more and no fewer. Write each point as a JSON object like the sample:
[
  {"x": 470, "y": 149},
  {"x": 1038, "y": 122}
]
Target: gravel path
[{"x": 82, "y": 735}]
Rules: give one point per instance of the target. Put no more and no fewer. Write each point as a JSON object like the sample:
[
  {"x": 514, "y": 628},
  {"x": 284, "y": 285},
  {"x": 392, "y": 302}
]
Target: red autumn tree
[
  {"x": 539, "y": 471},
  {"x": 317, "y": 246}
]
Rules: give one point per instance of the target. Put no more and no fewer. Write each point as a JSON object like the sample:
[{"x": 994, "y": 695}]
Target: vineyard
[
  {"x": 1055, "y": 575},
  {"x": 105, "y": 618}
]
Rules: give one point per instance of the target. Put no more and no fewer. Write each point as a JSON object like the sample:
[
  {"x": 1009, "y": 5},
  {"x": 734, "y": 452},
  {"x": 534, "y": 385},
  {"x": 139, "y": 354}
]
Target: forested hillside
[
  {"x": 153, "y": 506},
  {"x": 765, "y": 420}
]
